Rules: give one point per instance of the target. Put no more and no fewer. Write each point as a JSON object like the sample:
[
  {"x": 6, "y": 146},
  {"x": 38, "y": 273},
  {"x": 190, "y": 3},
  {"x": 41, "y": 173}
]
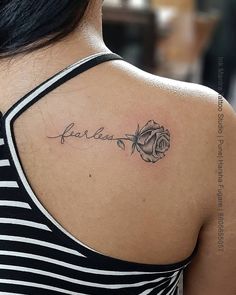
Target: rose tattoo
[{"x": 152, "y": 141}]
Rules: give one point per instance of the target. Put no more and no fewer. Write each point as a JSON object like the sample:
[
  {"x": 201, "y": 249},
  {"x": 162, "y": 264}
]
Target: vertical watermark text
[{"x": 220, "y": 156}]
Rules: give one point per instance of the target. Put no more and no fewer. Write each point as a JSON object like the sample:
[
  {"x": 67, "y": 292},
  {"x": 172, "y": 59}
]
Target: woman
[{"x": 108, "y": 179}]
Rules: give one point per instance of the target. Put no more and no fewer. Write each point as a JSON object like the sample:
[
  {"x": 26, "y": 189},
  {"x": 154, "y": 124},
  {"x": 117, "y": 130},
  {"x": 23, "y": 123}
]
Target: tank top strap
[{"x": 55, "y": 81}]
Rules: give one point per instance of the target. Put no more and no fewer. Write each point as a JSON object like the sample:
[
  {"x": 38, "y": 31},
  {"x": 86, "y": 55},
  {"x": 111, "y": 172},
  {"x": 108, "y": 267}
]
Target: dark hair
[{"x": 26, "y": 25}]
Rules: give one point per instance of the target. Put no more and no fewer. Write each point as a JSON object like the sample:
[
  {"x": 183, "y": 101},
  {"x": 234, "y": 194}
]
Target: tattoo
[{"x": 152, "y": 141}]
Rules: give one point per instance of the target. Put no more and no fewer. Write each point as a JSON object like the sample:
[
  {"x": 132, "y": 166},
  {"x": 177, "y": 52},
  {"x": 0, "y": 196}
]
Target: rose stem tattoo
[{"x": 152, "y": 141}]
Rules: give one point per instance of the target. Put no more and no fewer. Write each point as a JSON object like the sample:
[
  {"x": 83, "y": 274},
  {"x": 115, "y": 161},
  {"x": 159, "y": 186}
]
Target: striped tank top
[{"x": 37, "y": 255}]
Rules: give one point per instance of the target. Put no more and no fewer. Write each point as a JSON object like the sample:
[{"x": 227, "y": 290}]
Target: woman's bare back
[
  {"x": 113, "y": 201},
  {"x": 73, "y": 147}
]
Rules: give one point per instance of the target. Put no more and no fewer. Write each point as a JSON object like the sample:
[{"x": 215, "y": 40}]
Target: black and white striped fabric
[{"x": 37, "y": 255}]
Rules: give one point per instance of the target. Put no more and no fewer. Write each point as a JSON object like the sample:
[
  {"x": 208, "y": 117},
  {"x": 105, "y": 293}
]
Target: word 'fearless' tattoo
[{"x": 151, "y": 141}]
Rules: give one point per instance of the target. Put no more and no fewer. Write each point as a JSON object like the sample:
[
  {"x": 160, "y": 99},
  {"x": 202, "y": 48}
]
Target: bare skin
[{"x": 114, "y": 202}]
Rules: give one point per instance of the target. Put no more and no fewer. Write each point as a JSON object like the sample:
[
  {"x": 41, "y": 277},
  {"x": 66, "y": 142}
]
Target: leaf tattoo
[{"x": 121, "y": 144}]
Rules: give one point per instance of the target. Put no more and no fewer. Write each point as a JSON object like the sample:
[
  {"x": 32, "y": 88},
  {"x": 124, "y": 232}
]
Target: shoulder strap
[{"x": 55, "y": 81}]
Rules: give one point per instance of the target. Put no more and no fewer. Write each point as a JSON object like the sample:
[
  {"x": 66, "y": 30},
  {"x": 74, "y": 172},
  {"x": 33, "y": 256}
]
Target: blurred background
[{"x": 188, "y": 40}]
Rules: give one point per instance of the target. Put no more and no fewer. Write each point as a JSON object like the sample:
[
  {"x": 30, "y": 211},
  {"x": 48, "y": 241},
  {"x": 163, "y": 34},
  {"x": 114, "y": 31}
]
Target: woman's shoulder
[{"x": 172, "y": 92}]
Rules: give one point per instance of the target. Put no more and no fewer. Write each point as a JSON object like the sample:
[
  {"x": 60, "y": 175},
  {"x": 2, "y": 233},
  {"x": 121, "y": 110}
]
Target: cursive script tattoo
[{"x": 152, "y": 141}]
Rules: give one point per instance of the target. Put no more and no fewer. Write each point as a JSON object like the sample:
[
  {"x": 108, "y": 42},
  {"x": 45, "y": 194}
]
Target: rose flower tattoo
[{"x": 152, "y": 141}]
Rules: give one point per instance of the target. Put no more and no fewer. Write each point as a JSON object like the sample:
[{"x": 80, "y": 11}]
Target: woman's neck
[{"x": 21, "y": 74}]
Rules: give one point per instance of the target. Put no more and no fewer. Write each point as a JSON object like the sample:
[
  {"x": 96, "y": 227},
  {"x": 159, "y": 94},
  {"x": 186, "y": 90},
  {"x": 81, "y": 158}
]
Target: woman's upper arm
[{"x": 213, "y": 269}]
